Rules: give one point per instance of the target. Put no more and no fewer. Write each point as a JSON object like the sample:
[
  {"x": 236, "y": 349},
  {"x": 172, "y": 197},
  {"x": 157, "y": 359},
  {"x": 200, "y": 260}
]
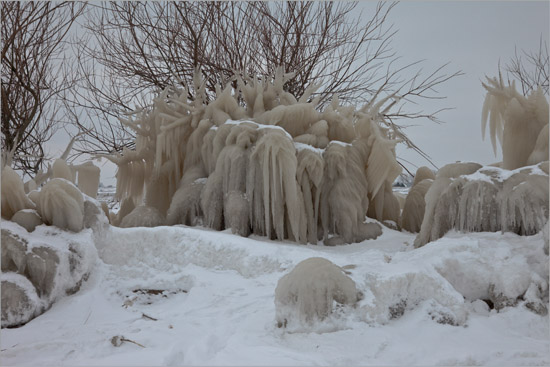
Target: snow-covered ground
[{"x": 217, "y": 304}]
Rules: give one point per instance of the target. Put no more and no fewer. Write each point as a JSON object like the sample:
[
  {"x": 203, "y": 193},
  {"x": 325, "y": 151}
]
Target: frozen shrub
[
  {"x": 520, "y": 123},
  {"x": 275, "y": 166},
  {"x": 415, "y": 205},
  {"x": 490, "y": 199},
  {"x": 540, "y": 151},
  {"x": 423, "y": 173},
  {"x": 236, "y": 213},
  {"x": 126, "y": 208},
  {"x": 143, "y": 216},
  {"x": 13, "y": 193},
  {"x": 60, "y": 169},
  {"x": 88, "y": 178},
  {"x": 185, "y": 207},
  {"x": 62, "y": 205},
  {"x": 309, "y": 292}
]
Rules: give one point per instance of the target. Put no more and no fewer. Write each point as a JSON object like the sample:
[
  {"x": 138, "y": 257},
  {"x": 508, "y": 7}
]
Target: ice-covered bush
[
  {"x": 487, "y": 199},
  {"x": 513, "y": 195},
  {"x": 62, "y": 205},
  {"x": 310, "y": 292},
  {"x": 263, "y": 162},
  {"x": 14, "y": 198},
  {"x": 143, "y": 216},
  {"x": 413, "y": 210},
  {"x": 520, "y": 123}
]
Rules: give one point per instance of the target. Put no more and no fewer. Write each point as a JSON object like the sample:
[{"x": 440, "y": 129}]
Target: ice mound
[{"x": 310, "y": 292}]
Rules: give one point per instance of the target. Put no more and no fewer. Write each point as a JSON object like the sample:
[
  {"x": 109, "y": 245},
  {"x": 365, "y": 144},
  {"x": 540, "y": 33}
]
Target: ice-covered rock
[
  {"x": 20, "y": 303},
  {"x": 310, "y": 291},
  {"x": 143, "y": 216},
  {"x": 40, "y": 267},
  {"x": 27, "y": 218},
  {"x": 458, "y": 274}
]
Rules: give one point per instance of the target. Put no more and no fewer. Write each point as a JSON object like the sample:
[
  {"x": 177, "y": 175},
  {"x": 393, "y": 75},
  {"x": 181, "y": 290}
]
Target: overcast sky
[{"x": 473, "y": 36}]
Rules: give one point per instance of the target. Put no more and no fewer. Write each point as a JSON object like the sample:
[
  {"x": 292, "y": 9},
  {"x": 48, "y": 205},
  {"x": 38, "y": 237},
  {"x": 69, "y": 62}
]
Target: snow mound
[
  {"x": 212, "y": 295},
  {"x": 163, "y": 248}
]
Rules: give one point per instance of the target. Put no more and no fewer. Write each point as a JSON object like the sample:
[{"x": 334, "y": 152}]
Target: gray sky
[{"x": 473, "y": 36}]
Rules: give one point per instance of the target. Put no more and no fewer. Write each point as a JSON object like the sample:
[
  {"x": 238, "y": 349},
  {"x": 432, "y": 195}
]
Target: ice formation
[
  {"x": 62, "y": 205},
  {"x": 513, "y": 195},
  {"x": 143, "y": 216},
  {"x": 520, "y": 123},
  {"x": 415, "y": 205},
  {"x": 41, "y": 267},
  {"x": 485, "y": 199},
  {"x": 88, "y": 178},
  {"x": 256, "y": 160},
  {"x": 307, "y": 294},
  {"x": 60, "y": 169},
  {"x": 14, "y": 198},
  {"x": 27, "y": 218}
]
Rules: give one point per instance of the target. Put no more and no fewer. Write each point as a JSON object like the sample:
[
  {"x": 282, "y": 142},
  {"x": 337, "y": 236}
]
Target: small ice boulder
[{"x": 308, "y": 293}]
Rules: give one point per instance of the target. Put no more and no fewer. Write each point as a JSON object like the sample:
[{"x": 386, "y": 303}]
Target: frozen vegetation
[
  {"x": 168, "y": 277},
  {"x": 512, "y": 196},
  {"x": 275, "y": 166}
]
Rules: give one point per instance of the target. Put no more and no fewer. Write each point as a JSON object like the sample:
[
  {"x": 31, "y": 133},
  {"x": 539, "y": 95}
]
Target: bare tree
[
  {"x": 530, "y": 68},
  {"x": 33, "y": 45},
  {"x": 135, "y": 49}
]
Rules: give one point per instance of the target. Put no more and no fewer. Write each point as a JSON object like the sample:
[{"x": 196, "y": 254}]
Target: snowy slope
[{"x": 218, "y": 304}]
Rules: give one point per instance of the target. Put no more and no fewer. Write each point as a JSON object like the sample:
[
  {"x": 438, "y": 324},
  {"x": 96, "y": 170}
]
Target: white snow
[
  {"x": 260, "y": 126},
  {"x": 217, "y": 305},
  {"x": 500, "y": 174},
  {"x": 344, "y": 144},
  {"x": 302, "y": 146}
]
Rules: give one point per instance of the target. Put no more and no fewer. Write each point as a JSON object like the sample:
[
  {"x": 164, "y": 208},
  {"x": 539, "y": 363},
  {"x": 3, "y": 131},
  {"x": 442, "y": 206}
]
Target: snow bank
[{"x": 212, "y": 295}]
